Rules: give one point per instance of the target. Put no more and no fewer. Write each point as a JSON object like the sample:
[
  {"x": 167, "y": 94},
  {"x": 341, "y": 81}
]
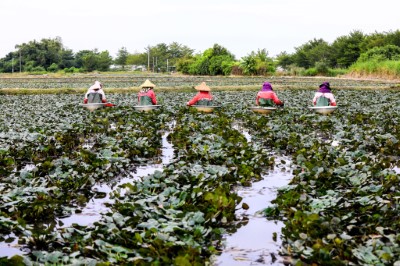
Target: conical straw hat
[
  {"x": 147, "y": 84},
  {"x": 202, "y": 87}
]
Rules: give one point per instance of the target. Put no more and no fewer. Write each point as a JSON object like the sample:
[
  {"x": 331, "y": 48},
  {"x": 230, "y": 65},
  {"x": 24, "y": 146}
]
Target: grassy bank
[{"x": 388, "y": 69}]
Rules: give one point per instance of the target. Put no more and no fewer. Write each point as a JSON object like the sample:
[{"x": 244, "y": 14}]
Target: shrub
[
  {"x": 312, "y": 71},
  {"x": 72, "y": 70},
  {"x": 295, "y": 70},
  {"x": 52, "y": 68},
  {"x": 38, "y": 70},
  {"x": 333, "y": 72},
  {"x": 321, "y": 67},
  {"x": 388, "y": 52}
]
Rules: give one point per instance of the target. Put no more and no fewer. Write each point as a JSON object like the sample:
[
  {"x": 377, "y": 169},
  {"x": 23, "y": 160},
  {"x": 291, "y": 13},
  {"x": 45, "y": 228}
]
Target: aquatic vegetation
[{"x": 340, "y": 208}]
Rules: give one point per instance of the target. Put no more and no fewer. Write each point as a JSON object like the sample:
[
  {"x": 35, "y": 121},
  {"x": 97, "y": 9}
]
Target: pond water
[
  {"x": 253, "y": 243},
  {"x": 95, "y": 207},
  {"x": 257, "y": 241},
  {"x": 12, "y": 248}
]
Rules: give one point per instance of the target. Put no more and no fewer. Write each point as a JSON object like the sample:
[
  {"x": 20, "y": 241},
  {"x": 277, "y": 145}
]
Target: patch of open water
[
  {"x": 94, "y": 209},
  {"x": 12, "y": 248},
  {"x": 259, "y": 240},
  {"x": 253, "y": 243}
]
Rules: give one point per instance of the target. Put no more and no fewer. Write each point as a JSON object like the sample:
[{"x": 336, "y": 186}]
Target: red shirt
[
  {"x": 150, "y": 94},
  {"x": 268, "y": 95},
  {"x": 199, "y": 96}
]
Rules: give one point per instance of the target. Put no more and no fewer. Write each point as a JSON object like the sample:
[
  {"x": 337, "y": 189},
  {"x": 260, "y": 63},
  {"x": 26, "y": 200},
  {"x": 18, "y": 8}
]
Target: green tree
[
  {"x": 79, "y": 57},
  {"x": 67, "y": 59},
  {"x": 104, "y": 61},
  {"x": 249, "y": 64},
  {"x": 388, "y": 52},
  {"x": 257, "y": 63},
  {"x": 347, "y": 49},
  {"x": 137, "y": 59},
  {"x": 91, "y": 60},
  {"x": 284, "y": 60},
  {"x": 216, "y": 60},
  {"x": 122, "y": 57},
  {"x": 43, "y": 53},
  {"x": 313, "y": 51},
  {"x": 184, "y": 64},
  {"x": 213, "y": 60}
]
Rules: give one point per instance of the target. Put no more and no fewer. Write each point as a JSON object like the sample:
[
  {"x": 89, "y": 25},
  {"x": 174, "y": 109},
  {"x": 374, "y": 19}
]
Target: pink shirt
[
  {"x": 199, "y": 96},
  {"x": 268, "y": 95},
  {"x": 326, "y": 95},
  {"x": 150, "y": 94}
]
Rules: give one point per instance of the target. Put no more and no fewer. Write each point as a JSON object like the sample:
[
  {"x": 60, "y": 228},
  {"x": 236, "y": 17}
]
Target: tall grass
[{"x": 387, "y": 69}]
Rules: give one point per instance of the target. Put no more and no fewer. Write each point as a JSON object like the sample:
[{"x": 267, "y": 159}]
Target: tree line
[{"x": 314, "y": 57}]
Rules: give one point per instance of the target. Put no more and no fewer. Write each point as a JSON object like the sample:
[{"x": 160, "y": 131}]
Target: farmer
[
  {"x": 95, "y": 94},
  {"x": 146, "y": 95},
  {"x": 324, "y": 96},
  {"x": 266, "y": 97},
  {"x": 203, "y": 97}
]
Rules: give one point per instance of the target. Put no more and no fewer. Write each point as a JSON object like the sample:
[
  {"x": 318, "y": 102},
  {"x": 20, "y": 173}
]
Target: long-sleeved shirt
[
  {"x": 268, "y": 95},
  {"x": 326, "y": 95},
  {"x": 199, "y": 96},
  {"x": 95, "y": 91},
  {"x": 150, "y": 94}
]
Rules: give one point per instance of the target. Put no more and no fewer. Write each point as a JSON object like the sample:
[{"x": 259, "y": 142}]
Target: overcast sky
[{"x": 241, "y": 26}]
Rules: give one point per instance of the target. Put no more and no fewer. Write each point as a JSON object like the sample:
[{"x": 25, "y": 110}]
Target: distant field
[{"x": 121, "y": 82}]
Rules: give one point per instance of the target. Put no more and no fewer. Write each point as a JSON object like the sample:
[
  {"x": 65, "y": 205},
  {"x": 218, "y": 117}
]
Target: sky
[{"x": 241, "y": 26}]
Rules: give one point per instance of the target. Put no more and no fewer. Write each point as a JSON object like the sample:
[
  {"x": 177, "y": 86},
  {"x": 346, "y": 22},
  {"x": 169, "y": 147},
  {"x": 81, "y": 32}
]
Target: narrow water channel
[
  {"x": 253, "y": 243},
  {"x": 259, "y": 240},
  {"x": 97, "y": 206}
]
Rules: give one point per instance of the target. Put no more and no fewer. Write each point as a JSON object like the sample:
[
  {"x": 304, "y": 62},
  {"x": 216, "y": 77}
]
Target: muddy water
[{"x": 94, "y": 209}]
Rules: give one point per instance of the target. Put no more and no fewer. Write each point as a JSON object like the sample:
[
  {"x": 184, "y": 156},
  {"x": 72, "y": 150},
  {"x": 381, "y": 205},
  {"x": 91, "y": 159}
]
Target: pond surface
[
  {"x": 97, "y": 206},
  {"x": 253, "y": 243},
  {"x": 93, "y": 210},
  {"x": 12, "y": 248}
]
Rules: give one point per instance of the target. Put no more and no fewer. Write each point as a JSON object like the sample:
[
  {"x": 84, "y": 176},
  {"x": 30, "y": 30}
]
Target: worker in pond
[
  {"x": 266, "y": 97},
  {"x": 95, "y": 94},
  {"x": 203, "y": 97},
  {"x": 324, "y": 96},
  {"x": 146, "y": 95}
]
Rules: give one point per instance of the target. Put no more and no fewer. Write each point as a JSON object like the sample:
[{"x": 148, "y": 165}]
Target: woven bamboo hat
[
  {"x": 147, "y": 84},
  {"x": 202, "y": 87}
]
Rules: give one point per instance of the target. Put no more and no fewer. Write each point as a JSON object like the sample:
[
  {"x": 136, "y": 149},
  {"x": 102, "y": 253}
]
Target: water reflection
[
  {"x": 254, "y": 244},
  {"x": 94, "y": 209},
  {"x": 11, "y": 248},
  {"x": 239, "y": 127}
]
